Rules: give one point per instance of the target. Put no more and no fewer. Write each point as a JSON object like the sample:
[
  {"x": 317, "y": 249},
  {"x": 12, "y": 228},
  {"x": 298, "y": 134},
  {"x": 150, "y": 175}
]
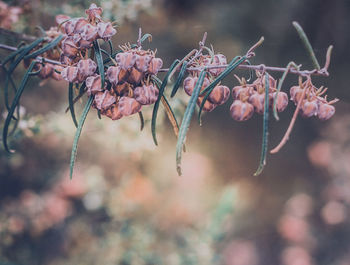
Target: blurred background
[{"x": 126, "y": 204}]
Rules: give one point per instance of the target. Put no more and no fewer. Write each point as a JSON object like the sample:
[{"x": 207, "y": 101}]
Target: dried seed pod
[
  {"x": 61, "y": 18},
  {"x": 259, "y": 83},
  {"x": 296, "y": 93},
  {"x": 258, "y": 101},
  {"x": 89, "y": 33},
  {"x": 94, "y": 12},
  {"x": 142, "y": 62},
  {"x": 128, "y": 106},
  {"x": 93, "y": 84},
  {"x": 103, "y": 100},
  {"x": 241, "y": 111},
  {"x": 135, "y": 76},
  {"x": 146, "y": 95},
  {"x": 112, "y": 74},
  {"x": 219, "y": 95},
  {"x": 70, "y": 74},
  {"x": 281, "y": 101},
  {"x": 79, "y": 25},
  {"x": 87, "y": 67},
  {"x": 46, "y": 71},
  {"x": 105, "y": 30},
  {"x": 56, "y": 76},
  {"x": 122, "y": 89},
  {"x": 219, "y": 59},
  {"x": 66, "y": 60},
  {"x": 208, "y": 106},
  {"x": 325, "y": 111},
  {"x": 154, "y": 66},
  {"x": 69, "y": 26},
  {"x": 113, "y": 112},
  {"x": 126, "y": 60},
  {"x": 69, "y": 48},
  {"x": 238, "y": 90},
  {"x": 309, "y": 108},
  {"x": 190, "y": 83}
]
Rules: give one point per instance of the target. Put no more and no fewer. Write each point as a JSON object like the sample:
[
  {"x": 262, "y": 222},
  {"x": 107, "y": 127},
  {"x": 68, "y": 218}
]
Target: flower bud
[
  {"x": 46, "y": 71},
  {"x": 114, "y": 112},
  {"x": 208, "y": 106},
  {"x": 94, "y": 12},
  {"x": 126, "y": 60},
  {"x": 309, "y": 108},
  {"x": 128, "y": 106},
  {"x": 79, "y": 25},
  {"x": 89, "y": 33},
  {"x": 61, "y": 18},
  {"x": 112, "y": 74},
  {"x": 105, "y": 30},
  {"x": 135, "y": 76},
  {"x": 296, "y": 93},
  {"x": 103, "y": 100},
  {"x": 258, "y": 101},
  {"x": 241, "y": 111},
  {"x": 154, "y": 66},
  {"x": 260, "y": 83},
  {"x": 69, "y": 47},
  {"x": 146, "y": 95},
  {"x": 238, "y": 90},
  {"x": 325, "y": 111},
  {"x": 219, "y": 59},
  {"x": 190, "y": 83},
  {"x": 281, "y": 101},
  {"x": 69, "y": 26},
  {"x": 70, "y": 74},
  {"x": 122, "y": 89},
  {"x": 66, "y": 60},
  {"x": 87, "y": 67},
  {"x": 142, "y": 62},
  {"x": 93, "y": 84},
  {"x": 219, "y": 95}
]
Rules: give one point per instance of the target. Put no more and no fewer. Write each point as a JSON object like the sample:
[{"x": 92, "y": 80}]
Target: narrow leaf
[
  {"x": 78, "y": 133},
  {"x": 14, "y": 105},
  {"x": 110, "y": 47},
  {"x": 156, "y": 104},
  {"x": 179, "y": 78},
  {"x": 265, "y": 128},
  {"x": 82, "y": 91},
  {"x": 145, "y": 37},
  {"x": 142, "y": 121},
  {"x": 46, "y": 48},
  {"x": 187, "y": 119},
  {"x": 71, "y": 104},
  {"x": 171, "y": 115},
  {"x": 99, "y": 60}
]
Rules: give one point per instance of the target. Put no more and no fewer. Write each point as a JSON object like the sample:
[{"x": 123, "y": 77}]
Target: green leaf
[
  {"x": 156, "y": 104},
  {"x": 232, "y": 65},
  {"x": 265, "y": 128},
  {"x": 71, "y": 104},
  {"x": 14, "y": 105},
  {"x": 110, "y": 47},
  {"x": 179, "y": 79},
  {"x": 78, "y": 133},
  {"x": 12, "y": 56},
  {"x": 100, "y": 65},
  {"x": 307, "y": 45},
  {"x": 145, "y": 37},
  {"x": 82, "y": 91},
  {"x": 107, "y": 60},
  {"x": 46, "y": 48},
  {"x": 187, "y": 119},
  {"x": 142, "y": 120}
]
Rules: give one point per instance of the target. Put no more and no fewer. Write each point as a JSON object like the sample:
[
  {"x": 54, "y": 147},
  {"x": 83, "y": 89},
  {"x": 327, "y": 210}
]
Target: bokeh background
[{"x": 126, "y": 204}]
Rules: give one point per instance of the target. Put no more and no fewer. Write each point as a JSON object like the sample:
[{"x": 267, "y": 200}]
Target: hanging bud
[
  {"x": 122, "y": 89},
  {"x": 241, "y": 111},
  {"x": 154, "y": 66},
  {"x": 146, "y": 95},
  {"x": 79, "y": 25},
  {"x": 128, "y": 106},
  {"x": 258, "y": 101},
  {"x": 114, "y": 112},
  {"x": 87, "y": 67},
  {"x": 112, "y": 74},
  {"x": 103, "y": 100},
  {"x": 69, "y": 48},
  {"x": 46, "y": 71},
  {"x": 190, "y": 83},
  {"x": 142, "y": 62},
  {"x": 126, "y": 60},
  {"x": 208, "y": 106},
  {"x": 325, "y": 111},
  {"x": 105, "y": 30},
  {"x": 135, "y": 76},
  {"x": 281, "y": 101},
  {"x": 65, "y": 60},
  {"x": 69, "y": 26},
  {"x": 296, "y": 93},
  {"x": 219, "y": 59},
  {"x": 309, "y": 108},
  {"x": 259, "y": 83},
  {"x": 219, "y": 95},
  {"x": 89, "y": 33},
  {"x": 93, "y": 84},
  {"x": 59, "y": 20},
  {"x": 70, "y": 74},
  {"x": 94, "y": 12}
]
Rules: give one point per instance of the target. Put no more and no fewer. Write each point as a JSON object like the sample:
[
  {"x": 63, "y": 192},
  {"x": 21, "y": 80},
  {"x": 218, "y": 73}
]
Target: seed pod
[
  {"x": 241, "y": 111},
  {"x": 59, "y": 20},
  {"x": 296, "y": 93},
  {"x": 128, "y": 106},
  {"x": 309, "y": 108},
  {"x": 66, "y": 60},
  {"x": 142, "y": 62},
  {"x": 46, "y": 71},
  {"x": 70, "y": 74},
  {"x": 260, "y": 84},
  {"x": 208, "y": 106},
  {"x": 126, "y": 60},
  {"x": 135, "y": 76},
  {"x": 154, "y": 66},
  {"x": 238, "y": 90},
  {"x": 190, "y": 83},
  {"x": 146, "y": 95},
  {"x": 112, "y": 74},
  {"x": 69, "y": 48},
  {"x": 281, "y": 101},
  {"x": 94, "y": 12},
  {"x": 325, "y": 111},
  {"x": 93, "y": 84},
  {"x": 258, "y": 101},
  {"x": 114, "y": 112},
  {"x": 89, "y": 32},
  {"x": 87, "y": 67},
  {"x": 79, "y": 25},
  {"x": 84, "y": 44},
  {"x": 56, "y": 76},
  {"x": 105, "y": 30},
  {"x": 219, "y": 59},
  {"x": 69, "y": 26},
  {"x": 103, "y": 100},
  {"x": 219, "y": 95},
  {"x": 122, "y": 89}
]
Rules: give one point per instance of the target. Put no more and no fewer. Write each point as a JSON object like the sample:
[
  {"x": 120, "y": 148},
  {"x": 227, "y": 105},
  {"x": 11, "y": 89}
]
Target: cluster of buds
[
  {"x": 314, "y": 101},
  {"x": 128, "y": 85},
  {"x": 8, "y": 15},
  {"x": 250, "y": 98},
  {"x": 220, "y": 93}
]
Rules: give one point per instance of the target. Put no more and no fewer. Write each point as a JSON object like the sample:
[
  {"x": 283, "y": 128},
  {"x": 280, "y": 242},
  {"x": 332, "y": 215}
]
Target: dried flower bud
[
  {"x": 69, "y": 47},
  {"x": 103, "y": 100},
  {"x": 60, "y": 19},
  {"x": 309, "y": 108},
  {"x": 80, "y": 25},
  {"x": 241, "y": 111},
  {"x": 238, "y": 90},
  {"x": 126, "y": 60},
  {"x": 87, "y": 67},
  {"x": 296, "y": 93},
  {"x": 93, "y": 84},
  {"x": 112, "y": 74},
  {"x": 208, "y": 106},
  {"x": 190, "y": 83},
  {"x": 114, "y": 112},
  {"x": 219, "y": 59},
  {"x": 281, "y": 101},
  {"x": 69, "y": 26},
  {"x": 122, "y": 89},
  {"x": 142, "y": 62},
  {"x": 46, "y": 71},
  {"x": 56, "y": 76},
  {"x": 105, "y": 30},
  {"x": 260, "y": 84},
  {"x": 258, "y": 101},
  {"x": 146, "y": 95},
  {"x": 65, "y": 59},
  {"x": 135, "y": 76},
  {"x": 94, "y": 12},
  {"x": 128, "y": 106},
  {"x": 154, "y": 66},
  {"x": 89, "y": 32},
  {"x": 219, "y": 95},
  {"x": 70, "y": 74},
  {"x": 325, "y": 111}
]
